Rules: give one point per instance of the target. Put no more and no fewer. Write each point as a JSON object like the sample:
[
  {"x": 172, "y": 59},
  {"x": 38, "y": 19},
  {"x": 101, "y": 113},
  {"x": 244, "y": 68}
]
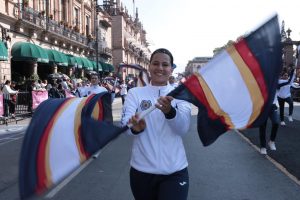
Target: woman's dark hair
[{"x": 165, "y": 51}]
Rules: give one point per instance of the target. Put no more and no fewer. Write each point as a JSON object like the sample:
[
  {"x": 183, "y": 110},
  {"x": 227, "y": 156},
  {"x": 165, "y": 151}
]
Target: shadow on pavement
[{"x": 287, "y": 144}]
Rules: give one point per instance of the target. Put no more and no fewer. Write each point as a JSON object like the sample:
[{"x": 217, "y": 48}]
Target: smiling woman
[
  {"x": 158, "y": 153},
  {"x": 161, "y": 67}
]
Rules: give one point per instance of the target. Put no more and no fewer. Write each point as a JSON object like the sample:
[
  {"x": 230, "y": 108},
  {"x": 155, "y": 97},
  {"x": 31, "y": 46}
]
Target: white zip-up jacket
[
  {"x": 285, "y": 90},
  {"x": 95, "y": 89},
  {"x": 159, "y": 148}
]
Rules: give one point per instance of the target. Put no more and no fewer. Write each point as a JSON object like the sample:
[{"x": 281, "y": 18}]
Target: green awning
[
  {"x": 3, "y": 52},
  {"x": 74, "y": 61},
  {"x": 57, "y": 57},
  {"x": 86, "y": 63},
  {"x": 25, "y": 51},
  {"x": 104, "y": 67},
  {"x": 107, "y": 67},
  {"x": 111, "y": 68},
  {"x": 95, "y": 66}
]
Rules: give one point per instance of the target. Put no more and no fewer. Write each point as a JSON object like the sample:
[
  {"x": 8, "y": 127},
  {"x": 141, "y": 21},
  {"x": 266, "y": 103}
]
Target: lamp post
[{"x": 96, "y": 33}]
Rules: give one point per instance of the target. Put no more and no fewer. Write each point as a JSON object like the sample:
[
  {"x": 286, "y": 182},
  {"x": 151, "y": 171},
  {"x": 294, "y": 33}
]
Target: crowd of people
[{"x": 61, "y": 88}]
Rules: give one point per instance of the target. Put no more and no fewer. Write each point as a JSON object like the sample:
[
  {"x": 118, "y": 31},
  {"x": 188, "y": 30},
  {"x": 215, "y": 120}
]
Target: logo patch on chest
[{"x": 145, "y": 104}]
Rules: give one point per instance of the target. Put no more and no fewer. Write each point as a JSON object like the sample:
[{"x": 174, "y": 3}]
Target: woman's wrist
[
  {"x": 171, "y": 114},
  {"x": 134, "y": 132}
]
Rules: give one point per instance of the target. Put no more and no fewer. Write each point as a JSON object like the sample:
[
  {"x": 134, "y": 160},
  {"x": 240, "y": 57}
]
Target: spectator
[
  {"x": 172, "y": 81},
  {"x": 7, "y": 92},
  {"x": 38, "y": 85},
  {"x": 123, "y": 91},
  {"x": 46, "y": 85},
  {"x": 83, "y": 89},
  {"x": 31, "y": 87},
  {"x": 77, "y": 90},
  {"x": 61, "y": 91},
  {"x": 64, "y": 84},
  {"x": 13, "y": 100},
  {"x": 95, "y": 88}
]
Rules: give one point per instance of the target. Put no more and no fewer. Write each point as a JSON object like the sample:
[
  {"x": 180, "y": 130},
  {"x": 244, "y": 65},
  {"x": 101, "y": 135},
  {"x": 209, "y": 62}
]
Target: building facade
[
  {"x": 129, "y": 42},
  {"x": 69, "y": 27},
  {"x": 195, "y": 64}
]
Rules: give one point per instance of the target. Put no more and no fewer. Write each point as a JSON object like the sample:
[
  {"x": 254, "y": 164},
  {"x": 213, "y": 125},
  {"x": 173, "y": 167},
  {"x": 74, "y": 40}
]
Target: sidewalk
[{"x": 20, "y": 126}]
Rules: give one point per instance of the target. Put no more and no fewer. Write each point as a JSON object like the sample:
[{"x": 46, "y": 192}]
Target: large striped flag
[
  {"x": 235, "y": 90},
  {"x": 63, "y": 134},
  {"x": 143, "y": 77}
]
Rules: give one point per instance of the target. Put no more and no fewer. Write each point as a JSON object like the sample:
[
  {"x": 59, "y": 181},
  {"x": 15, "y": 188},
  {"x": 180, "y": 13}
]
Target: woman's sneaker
[
  {"x": 282, "y": 123},
  {"x": 272, "y": 145},
  {"x": 290, "y": 118},
  {"x": 263, "y": 151}
]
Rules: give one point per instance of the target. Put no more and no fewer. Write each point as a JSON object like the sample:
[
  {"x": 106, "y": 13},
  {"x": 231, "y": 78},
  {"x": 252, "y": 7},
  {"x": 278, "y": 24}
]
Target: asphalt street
[
  {"x": 230, "y": 169},
  {"x": 287, "y": 143}
]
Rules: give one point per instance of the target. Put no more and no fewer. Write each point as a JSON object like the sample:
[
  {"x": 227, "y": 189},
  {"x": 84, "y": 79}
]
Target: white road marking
[
  {"x": 8, "y": 136},
  {"x": 56, "y": 189}
]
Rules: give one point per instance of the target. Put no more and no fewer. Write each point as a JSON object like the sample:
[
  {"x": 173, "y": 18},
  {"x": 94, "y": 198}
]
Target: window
[
  {"x": 87, "y": 24},
  {"x": 76, "y": 16},
  {"x": 63, "y": 10}
]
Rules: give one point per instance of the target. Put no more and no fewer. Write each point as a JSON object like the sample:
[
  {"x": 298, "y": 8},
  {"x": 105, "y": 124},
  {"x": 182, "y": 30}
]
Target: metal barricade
[
  {"x": 23, "y": 108},
  {"x": 23, "y": 104}
]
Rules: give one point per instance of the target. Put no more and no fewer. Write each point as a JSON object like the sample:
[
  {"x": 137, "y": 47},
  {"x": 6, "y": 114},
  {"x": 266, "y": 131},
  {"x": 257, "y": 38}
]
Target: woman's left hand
[{"x": 164, "y": 104}]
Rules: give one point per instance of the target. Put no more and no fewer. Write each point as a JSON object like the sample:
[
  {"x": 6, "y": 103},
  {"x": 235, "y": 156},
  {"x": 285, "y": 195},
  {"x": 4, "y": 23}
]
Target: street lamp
[{"x": 96, "y": 33}]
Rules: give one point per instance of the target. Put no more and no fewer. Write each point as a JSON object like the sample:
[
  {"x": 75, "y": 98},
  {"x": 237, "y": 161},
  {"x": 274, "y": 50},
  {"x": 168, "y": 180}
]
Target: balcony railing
[
  {"x": 38, "y": 19},
  {"x": 106, "y": 51},
  {"x": 55, "y": 27},
  {"x": 34, "y": 17}
]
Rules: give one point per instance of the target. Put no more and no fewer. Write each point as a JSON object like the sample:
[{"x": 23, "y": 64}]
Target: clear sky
[{"x": 192, "y": 28}]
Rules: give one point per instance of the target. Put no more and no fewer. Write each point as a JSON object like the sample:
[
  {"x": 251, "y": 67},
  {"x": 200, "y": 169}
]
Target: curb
[{"x": 13, "y": 129}]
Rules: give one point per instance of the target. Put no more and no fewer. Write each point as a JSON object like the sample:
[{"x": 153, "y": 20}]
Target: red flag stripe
[
  {"x": 194, "y": 86},
  {"x": 44, "y": 181},
  {"x": 253, "y": 65}
]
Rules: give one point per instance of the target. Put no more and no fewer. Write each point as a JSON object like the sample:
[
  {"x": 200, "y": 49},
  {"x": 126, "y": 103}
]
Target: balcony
[
  {"x": 105, "y": 23},
  {"x": 106, "y": 52},
  {"x": 33, "y": 17},
  {"x": 38, "y": 22},
  {"x": 55, "y": 27},
  {"x": 61, "y": 30}
]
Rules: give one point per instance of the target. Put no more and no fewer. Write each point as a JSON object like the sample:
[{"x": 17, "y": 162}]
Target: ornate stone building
[
  {"x": 289, "y": 51},
  {"x": 195, "y": 64},
  {"x": 129, "y": 41},
  {"x": 61, "y": 28}
]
